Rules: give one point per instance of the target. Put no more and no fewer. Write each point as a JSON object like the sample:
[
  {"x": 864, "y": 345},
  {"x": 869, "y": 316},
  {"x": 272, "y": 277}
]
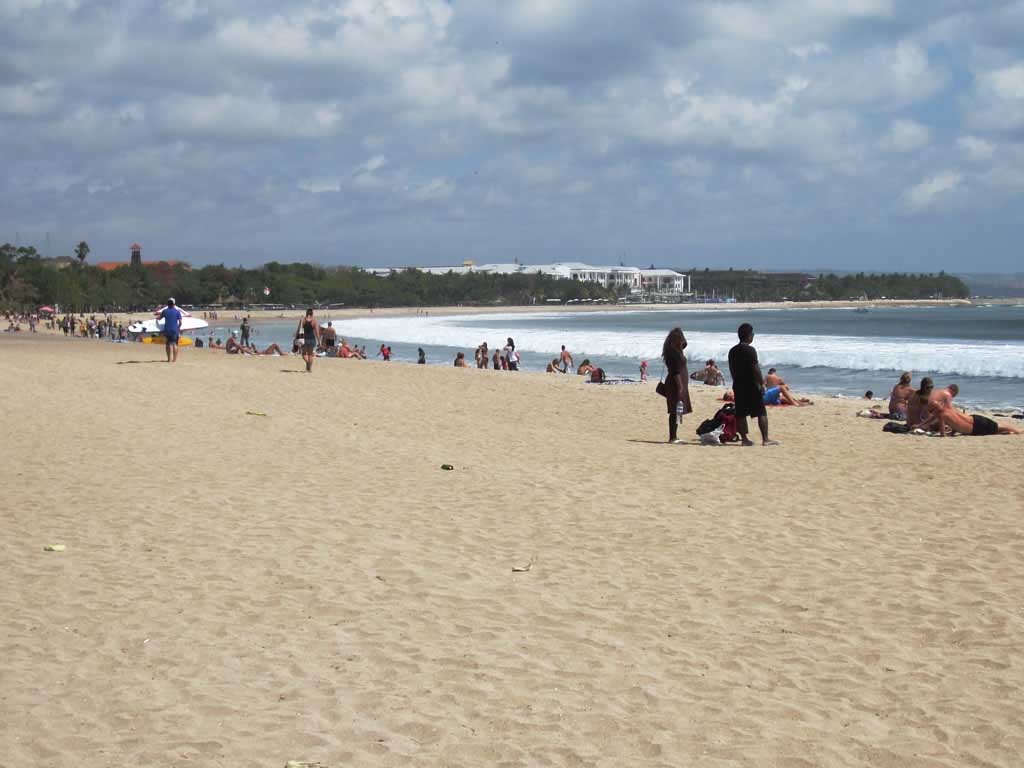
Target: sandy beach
[{"x": 263, "y": 565}]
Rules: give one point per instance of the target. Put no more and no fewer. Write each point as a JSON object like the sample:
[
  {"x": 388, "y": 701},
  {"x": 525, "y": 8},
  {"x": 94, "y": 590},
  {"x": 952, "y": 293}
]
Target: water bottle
[{"x": 680, "y": 408}]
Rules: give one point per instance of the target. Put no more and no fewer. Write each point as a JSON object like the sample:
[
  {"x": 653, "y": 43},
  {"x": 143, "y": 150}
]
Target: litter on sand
[
  {"x": 522, "y": 568},
  {"x": 255, "y": 413},
  {"x": 54, "y": 548},
  {"x": 448, "y": 467}
]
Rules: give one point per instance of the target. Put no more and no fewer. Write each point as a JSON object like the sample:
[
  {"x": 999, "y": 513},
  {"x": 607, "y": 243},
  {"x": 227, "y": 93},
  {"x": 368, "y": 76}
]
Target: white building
[{"x": 633, "y": 279}]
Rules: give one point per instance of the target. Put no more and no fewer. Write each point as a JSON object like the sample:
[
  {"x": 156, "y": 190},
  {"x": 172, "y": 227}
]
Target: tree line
[
  {"x": 752, "y": 285},
  {"x": 27, "y": 280}
]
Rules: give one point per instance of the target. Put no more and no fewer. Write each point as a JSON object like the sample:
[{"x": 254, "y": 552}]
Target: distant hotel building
[
  {"x": 637, "y": 281},
  {"x": 136, "y": 261}
]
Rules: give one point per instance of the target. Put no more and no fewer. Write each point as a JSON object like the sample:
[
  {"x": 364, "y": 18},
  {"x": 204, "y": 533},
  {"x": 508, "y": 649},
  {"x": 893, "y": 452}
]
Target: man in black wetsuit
[{"x": 748, "y": 386}]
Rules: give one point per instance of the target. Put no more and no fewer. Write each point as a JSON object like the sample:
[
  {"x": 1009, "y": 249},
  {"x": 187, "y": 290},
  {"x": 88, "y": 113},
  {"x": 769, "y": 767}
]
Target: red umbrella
[{"x": 46, "y": 309}]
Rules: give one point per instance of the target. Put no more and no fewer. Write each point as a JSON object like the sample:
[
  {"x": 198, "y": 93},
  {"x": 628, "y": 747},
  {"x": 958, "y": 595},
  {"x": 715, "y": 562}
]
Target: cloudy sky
[{"x": 877, "y": 134}]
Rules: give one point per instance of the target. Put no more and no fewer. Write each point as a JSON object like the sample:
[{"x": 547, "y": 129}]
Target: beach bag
[
  {"x": 729, "y": 433},
  {"x": 709, "y": 425}
]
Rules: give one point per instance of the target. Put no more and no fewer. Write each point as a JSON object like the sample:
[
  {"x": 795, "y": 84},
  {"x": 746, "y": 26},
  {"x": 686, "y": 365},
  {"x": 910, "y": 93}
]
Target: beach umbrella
[{"x": 47, "y": 309}]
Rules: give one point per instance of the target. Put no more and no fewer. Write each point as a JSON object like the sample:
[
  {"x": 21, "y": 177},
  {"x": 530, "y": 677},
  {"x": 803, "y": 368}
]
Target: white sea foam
[{"x": 965, "y": 358}]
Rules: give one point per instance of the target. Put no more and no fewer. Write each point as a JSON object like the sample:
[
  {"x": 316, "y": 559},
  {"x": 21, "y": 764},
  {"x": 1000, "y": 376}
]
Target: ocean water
[{"x": 822, "y": 351}]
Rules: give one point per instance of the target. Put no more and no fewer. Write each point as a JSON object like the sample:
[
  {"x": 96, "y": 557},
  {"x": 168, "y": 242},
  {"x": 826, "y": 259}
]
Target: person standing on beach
[
  {"x": 510, "y": 354},
  {"x": 244, "y": 331},
  {"x": 172, "y": 329},
  {"x": 422, "y": 359},
  {"x": 309, "y": 330},
  {"x": 748, "y": 386},
  {"x": 567, "y": 361},
  {"x": 677, "y": 386}
]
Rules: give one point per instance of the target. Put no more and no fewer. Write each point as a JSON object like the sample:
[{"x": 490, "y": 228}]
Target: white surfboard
[{"x": 156, "y": 325}]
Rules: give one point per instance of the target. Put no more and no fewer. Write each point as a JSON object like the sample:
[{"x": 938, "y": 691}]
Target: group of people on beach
[
  {"x": 925, "y": 409},
  {"x": 748, "y": 384},
  {"x": 931, "y": 410}
]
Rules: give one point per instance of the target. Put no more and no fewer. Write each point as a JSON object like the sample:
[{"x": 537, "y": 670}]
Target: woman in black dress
[{"x": 677, "y": 382}]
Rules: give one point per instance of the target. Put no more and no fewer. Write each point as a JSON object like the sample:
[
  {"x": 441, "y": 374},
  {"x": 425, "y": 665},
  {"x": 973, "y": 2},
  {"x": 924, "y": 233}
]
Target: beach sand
[{"x": 309, "y": 584}]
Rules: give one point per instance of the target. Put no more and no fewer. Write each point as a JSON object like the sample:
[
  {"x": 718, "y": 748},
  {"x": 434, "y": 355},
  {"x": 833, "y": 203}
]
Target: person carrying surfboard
[{"x": 171, "y": 316}]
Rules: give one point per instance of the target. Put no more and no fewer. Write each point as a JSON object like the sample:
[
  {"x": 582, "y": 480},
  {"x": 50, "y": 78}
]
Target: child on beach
[{"x": 643, "y": 370}]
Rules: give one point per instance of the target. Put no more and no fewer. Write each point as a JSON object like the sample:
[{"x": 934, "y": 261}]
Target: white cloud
[
  {"x": 691, "y": 166},
  {"x": 364, "y": 34},
  {"x": 436, "y": 189},
  {"x": 906, "y": 136},
  {"x": 812, "y": 49},
  {"x": 374, "y": 163},
  {"x": 243, "y": 117},
  {"x": 782, "y": 21},
  {"x": 1008, "y": 82},
  {"x": 925, "y": 194},
  {"x": 890, "y": 77},
  {"x": 29, "y": 99},
  {"x": 184, "y": 10},
  {"x": 997, "y": 103},
  {"x": 319, "y": 186},
  {"x": 977, "y": 149}
]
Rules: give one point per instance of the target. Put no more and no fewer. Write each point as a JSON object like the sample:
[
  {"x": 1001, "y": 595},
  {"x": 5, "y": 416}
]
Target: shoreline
[
  {"x": 818, "y": 396},
  {"x": 261, "y": 316}
]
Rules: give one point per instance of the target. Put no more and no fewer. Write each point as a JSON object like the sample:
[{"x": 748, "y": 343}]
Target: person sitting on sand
[
  {"x": 713, "y": 376},
  {"x": 460, "y": 360},
  {"x": 773, "y": 379},
  {"x": 585, "y": 368},
  {"x": 917, "y": 405},
  {"x": 345, "y": 350},
  {"x": 233, "y": 347},
  {"x": 554, "y": 367},
  {"x": 900, "y": 396}
]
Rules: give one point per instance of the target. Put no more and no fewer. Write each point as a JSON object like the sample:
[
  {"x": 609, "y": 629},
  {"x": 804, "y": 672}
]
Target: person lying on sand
[
  {"x": 273, "y": 349},
  {"x": 953, "y": 420},
  {"x": 941, "y": 399},
  {"x": 781, "y": 395}
]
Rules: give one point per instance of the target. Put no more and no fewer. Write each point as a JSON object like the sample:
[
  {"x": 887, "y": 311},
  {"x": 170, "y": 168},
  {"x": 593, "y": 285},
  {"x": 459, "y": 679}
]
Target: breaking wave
[{"x": 965, "y": 358}]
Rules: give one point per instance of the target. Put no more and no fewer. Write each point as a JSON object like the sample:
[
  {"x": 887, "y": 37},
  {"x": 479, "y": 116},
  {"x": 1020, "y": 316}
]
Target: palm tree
[{"x": 82, "y": 251}]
